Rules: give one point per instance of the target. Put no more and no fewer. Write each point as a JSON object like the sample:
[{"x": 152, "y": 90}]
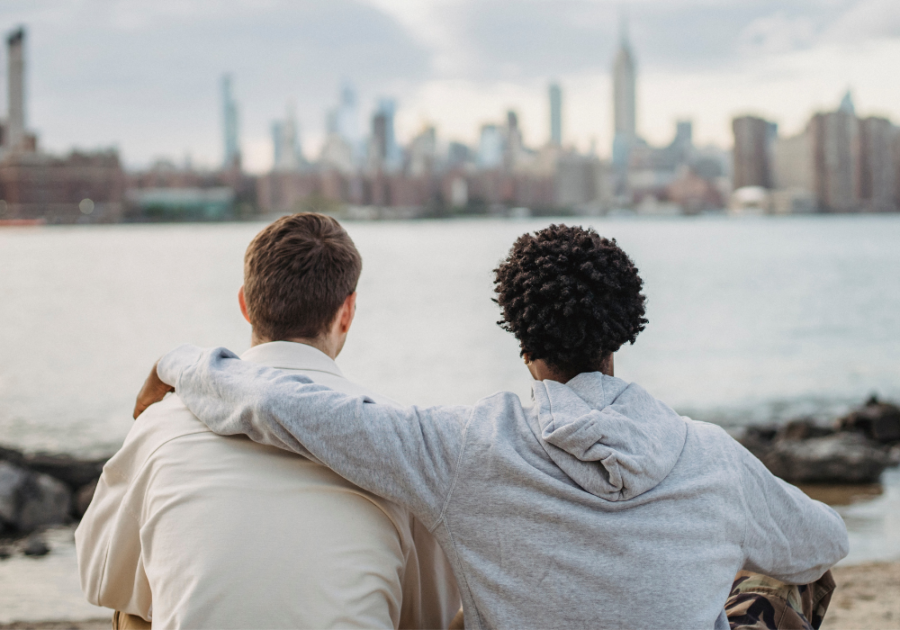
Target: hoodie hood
[{"x": 610, "y": 437}]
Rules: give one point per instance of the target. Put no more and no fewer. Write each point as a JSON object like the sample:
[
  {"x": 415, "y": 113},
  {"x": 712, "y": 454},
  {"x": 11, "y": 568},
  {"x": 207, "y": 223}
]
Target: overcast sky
[{"x": 143, "y": 75}]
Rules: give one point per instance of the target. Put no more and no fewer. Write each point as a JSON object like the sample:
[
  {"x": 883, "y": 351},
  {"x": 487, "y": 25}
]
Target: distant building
[
  {"x": 624, "y": 100},
  {"x": 14, "y": 134},
  {"x": 287, "y": 153},
  {"x": 347, "y": 115},
  {"x": 555, "y": 94},
  {"x": 423, "y": 153},
  {"x": 232, "y": 157},
  {"x": 752, "y": 145},
  {"x": 384, "y": 152},
  {"x": 792, "y": 163},
  {"x": 182, "y": 204},
  {"x": 514, "y": 146},
  {"x": 580, "y": 181},
  {"x": 877, "y": 165},
  {"x": 79, "y": 187},
  {"x": 834, "y": 139},
  {"x": 83, "y": 186},
  {"x": 490, "y": 147},
  {"x": 458, "y": 154}
]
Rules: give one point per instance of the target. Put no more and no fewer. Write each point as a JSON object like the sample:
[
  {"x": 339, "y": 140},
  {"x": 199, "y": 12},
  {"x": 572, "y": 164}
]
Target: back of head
[
  {"x": 570, "y": 296},
  {"x": 297, "y": 273}
]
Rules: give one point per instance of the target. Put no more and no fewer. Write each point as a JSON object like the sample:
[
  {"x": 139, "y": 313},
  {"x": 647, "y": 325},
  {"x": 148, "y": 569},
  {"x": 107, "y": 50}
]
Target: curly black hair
[{"x": 570, "y": 296}]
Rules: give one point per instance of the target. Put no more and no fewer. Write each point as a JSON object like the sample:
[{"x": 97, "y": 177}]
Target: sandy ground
[{"x": 867, "y": 598}]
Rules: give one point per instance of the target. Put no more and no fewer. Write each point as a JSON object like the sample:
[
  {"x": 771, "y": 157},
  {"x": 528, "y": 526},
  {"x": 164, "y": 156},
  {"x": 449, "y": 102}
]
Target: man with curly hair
[{"x": 596, "y": 506}]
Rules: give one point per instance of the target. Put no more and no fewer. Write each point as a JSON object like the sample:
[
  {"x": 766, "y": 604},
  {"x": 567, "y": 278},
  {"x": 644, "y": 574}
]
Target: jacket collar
[{"x": 288, "y": 355}]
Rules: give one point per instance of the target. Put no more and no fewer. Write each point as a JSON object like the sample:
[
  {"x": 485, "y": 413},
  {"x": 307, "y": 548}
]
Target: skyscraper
[
  {"x": 230, "y": 125},
  {"x": 624, "y": 100},
  {"x": 877, "y": 169},
  {"x": 347, "y": 118},
  {"x": 555, "y": 114},
  {"x": 287, "y": 153},
  {"x": 15, "y": 124},
  {"x": 834, "y": 138},
  {"x": 384, "y": 141},
  {"x": 753, "y": 139}
]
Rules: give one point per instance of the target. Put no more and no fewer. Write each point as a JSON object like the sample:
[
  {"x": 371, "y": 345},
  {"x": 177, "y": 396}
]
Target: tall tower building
[
  {"x": 555, "y": 114},
  {"x": 624, "y": 99},
  {"x": 836, "y": 158},
  {"x": 287, "y": 155},
  {"x": 230, "y": 125},
  {"x": 15, "y": 123},
  {"x": 386, "y": 151}
]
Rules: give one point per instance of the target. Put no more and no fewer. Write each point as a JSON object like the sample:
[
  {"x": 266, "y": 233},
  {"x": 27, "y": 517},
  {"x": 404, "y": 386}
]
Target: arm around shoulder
[{"x": 407, "y": 455}]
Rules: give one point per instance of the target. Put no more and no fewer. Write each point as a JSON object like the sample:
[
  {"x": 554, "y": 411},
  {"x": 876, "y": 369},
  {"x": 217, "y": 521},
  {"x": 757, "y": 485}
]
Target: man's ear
[
  {"x": 345, "y": 316},
  {"x": 243, "y": 303}
]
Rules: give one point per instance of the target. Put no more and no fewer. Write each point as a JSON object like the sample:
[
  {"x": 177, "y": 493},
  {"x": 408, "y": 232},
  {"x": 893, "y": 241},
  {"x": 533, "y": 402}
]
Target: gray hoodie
[{"x": 596, "y": 507}]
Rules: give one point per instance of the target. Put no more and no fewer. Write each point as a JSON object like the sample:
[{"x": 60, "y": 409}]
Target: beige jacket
[{"x": 198, "y": 531}]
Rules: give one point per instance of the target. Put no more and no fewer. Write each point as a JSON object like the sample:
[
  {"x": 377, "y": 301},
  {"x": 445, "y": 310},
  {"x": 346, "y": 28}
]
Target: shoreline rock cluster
[
  {"x": 856, "y": 449},
  {"x": 40, "y": 490}
]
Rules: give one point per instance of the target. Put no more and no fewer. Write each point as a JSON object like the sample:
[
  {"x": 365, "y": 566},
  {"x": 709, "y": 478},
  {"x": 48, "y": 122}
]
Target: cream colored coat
[{"x": 200, "y": 531}]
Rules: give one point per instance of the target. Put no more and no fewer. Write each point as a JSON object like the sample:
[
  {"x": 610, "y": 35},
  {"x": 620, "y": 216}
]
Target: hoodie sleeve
[
  {"x": 788, "y": 536},
  {"x": 407, "y": 455}
]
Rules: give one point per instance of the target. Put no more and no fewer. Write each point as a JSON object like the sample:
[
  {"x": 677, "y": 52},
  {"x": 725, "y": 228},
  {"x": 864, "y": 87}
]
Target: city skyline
[{"x": 81, "y": 95}]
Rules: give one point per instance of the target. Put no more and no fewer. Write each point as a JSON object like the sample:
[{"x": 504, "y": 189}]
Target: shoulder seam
[{"x": 462, "y": 450}]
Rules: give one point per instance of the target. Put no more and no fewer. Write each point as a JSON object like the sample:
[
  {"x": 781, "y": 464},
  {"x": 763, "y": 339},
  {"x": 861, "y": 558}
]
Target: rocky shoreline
[
  {"x": 41, "y": 490},
  {"x": 854, "y": 449}
]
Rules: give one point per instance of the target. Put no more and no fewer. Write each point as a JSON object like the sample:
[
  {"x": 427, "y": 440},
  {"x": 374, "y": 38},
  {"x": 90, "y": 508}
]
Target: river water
[{"x": 751, "y": 320}]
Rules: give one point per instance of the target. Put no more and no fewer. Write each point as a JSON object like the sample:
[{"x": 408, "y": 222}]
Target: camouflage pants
[{"x": 758, "y": 602}]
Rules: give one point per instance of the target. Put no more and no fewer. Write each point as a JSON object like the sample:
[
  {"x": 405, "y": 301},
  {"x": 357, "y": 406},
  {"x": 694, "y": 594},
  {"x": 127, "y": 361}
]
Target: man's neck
[{"x": 319, "y": 343}]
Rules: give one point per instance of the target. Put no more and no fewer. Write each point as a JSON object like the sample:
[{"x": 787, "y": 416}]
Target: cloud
[{"x": 144, "y": 74}]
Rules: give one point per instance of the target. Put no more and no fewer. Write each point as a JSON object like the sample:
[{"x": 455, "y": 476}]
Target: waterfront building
[
  {"x": 753, "y": 137},
  {"x": 555, "y": 97},
  {"x": 834, "y": 139},
  {"x": 490, "y": 147},
  {"x": 877, "y": 166}
]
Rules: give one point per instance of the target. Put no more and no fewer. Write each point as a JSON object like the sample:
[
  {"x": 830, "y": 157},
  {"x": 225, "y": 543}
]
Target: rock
[
  {"x": 70, "y": 470},
  {"x": 876, "y": 420},
  {"x": 12, "y": 478},
  {"x": 83, "y": 498},
  {"x": 5, "y": 553},
  {"x": 758, "y": 439},
  {"x": 29, "y": 500},
  {"x": 73, "y": 472},
  {"x": 36, "y": 547},
  {"x": 802, "y": 429},
  {"x": 844, "y": 457}
]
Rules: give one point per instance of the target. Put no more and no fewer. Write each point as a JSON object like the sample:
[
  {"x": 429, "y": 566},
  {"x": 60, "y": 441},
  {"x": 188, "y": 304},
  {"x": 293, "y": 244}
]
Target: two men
[
  {"x": 596, "y": 506},
  {"x": 190, "y": 530}
]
